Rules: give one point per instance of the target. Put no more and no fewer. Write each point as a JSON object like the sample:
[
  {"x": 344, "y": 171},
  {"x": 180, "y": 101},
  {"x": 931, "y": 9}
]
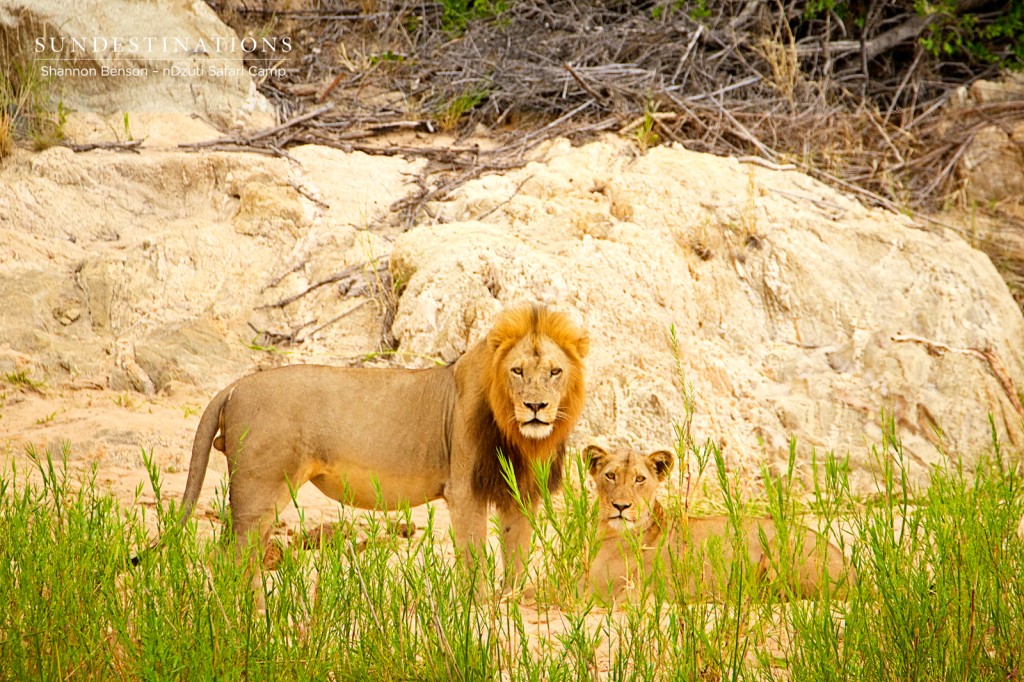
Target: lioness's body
[
  {"x": 637, "y": 540},
  {"x": 383, "y": 438},
  {"x": 616, "y": 571}
]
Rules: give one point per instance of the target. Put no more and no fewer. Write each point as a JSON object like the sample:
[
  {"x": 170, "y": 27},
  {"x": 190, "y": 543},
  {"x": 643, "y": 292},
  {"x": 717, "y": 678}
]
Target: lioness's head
[
  {"x": 536, "y": 383},
  {"x": 627, "y": 482}
]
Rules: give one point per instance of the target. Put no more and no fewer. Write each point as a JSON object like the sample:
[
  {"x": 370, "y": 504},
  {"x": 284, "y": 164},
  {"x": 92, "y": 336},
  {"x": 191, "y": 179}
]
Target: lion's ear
[
  {"x": 583, "y": 346},
  {"x": 661, "y": 461},
  {"x": 493, "y": 340},
  {"x": 595, "y": 456}
]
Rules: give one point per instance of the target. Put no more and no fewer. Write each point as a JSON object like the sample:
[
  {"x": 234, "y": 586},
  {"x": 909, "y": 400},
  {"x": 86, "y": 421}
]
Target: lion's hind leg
[{"x": 256, "y": 499}]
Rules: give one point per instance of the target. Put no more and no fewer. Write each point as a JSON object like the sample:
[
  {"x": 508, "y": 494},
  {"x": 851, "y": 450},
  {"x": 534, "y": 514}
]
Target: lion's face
[
  {"x": 627, "y": 482},
  {"x": 535, "y": 383},
  {"x": 536, "y": 372}
]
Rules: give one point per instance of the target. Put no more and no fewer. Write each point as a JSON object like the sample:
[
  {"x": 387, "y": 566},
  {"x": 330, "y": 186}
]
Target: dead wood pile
[{"x": 859, "y": 106}]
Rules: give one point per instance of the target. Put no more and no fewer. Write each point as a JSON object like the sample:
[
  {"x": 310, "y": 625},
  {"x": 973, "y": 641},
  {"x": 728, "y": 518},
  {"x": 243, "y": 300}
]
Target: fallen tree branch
[{"x": 260, "y": 134}]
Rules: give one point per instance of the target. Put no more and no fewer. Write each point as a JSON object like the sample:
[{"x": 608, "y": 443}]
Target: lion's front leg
[
  {"x": 469, "y": 524},
  {"x": 515, "y": 541}
]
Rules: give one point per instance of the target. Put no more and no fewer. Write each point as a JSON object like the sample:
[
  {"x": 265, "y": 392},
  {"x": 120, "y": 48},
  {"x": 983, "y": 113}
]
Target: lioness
[
  {"x": 630, "y": 514},
  {"x": 412, "y": 435}
]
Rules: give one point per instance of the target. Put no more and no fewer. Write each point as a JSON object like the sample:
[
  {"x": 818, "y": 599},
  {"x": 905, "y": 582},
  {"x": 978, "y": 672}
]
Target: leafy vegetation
[
  {"x": 457, "y": 14},
  {"x": 21, "y": 379},
  {"x": 965, "y": 30},
  {"x": 451, "y": 112},
  {"x": 937, "y": 593},
  {"x": 27, "y": 108}
]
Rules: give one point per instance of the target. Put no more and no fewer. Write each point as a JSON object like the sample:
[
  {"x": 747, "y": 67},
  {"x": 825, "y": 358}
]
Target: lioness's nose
[
  {"x": 536, "y": 407},
  {"x": 621, "y": 506}
]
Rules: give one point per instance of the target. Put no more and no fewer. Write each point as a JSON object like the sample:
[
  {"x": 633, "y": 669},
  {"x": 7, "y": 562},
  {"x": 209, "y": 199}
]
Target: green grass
[
  {"x": 31, "y": 107},
  {"x": 938, "y": 592},
  {"x": 450, "y": 112},
  {"x": 21, "y": 379}
]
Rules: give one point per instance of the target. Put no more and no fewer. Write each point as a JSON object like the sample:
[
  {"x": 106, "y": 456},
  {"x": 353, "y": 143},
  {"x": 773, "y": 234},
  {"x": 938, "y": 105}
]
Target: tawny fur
[
  {"x": 638, "y": 542},
  {"x": 409, "y": 436}
]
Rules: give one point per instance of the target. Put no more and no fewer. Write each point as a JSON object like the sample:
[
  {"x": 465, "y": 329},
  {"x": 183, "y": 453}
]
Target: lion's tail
[{"x": 209, "y": 424}]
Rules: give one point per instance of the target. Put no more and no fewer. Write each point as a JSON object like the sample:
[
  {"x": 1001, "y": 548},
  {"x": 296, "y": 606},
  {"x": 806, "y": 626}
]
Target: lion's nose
[
  {"x": 536, "y": 407},
  {"x": 621, "y": 506}
]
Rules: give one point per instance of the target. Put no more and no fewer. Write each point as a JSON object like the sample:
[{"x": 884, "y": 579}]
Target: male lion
[
  {"x": 632, "y": 521},
  {"x": 412, "y": 435}
]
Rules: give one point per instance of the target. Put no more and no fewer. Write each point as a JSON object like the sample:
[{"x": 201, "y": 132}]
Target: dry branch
[
  {"x": 129, "y": 146},
  {"x": 243, "y": 140},
  {"x": 337, "y": 277}
]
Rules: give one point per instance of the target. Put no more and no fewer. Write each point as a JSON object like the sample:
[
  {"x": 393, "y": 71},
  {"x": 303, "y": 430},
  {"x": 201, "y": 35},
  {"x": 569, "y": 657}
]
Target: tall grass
[{"x": 937, "y": 593}]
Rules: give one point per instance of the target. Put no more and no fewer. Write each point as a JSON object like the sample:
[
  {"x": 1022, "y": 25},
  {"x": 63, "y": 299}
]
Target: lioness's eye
[
  {"x": 641, "y": 479},
  {"x": 610, "y": 475},
  {"x": 555, "y": 371},
  {"x": 518, "y": 371}
]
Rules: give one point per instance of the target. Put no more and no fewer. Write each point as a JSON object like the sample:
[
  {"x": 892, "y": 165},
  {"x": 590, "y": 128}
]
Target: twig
[
  {"x": 330, "y": 87},
  {"x": 758, "y": 161},
  {"x": 582, "y": 83},
  {"x": 280, "y": 278},
  {"x": 305, "y": 192},
  {"x": 885, "y": 136},
  {"x": 337, "y": 318},
  {"x": 941, "y": 176},
  {"x": 877, "y": 198},
  {"x": 689, "y": 48},
  {"x": 259, "y": 135},
  {"x": 337, "y": 277},
  {"x": 238, "y": 148},
  {"x": 640, "y": 120},
  {"x": 130, "y": 146},
  {"x": 510, "y": 198},
  {"x": 558, "y": 121},
  {"x": 986, "y": 354},
  {"x": 721, "y": 91},
  {"x": 911, "y": 28},
  {"x": 820, "y": 203},
  {"x": 274, "y": 338}
]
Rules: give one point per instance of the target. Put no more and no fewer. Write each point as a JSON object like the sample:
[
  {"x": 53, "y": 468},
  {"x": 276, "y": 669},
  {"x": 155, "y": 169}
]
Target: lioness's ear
[
  {"x": 595, "y": 455},
  {"x": 661, "y": 461}
]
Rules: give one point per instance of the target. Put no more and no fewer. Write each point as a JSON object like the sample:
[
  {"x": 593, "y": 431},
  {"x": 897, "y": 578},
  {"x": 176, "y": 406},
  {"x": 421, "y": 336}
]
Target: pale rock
[
  {"x": 167, "y": 36},
  {"x": 136, "y": 271},
  {"x": 786, "y": 329}
]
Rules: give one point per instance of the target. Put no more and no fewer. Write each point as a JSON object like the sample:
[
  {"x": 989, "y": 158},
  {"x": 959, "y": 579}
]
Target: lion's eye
[
  {"x": 555, "y": 371},
  {"x": 610, "y": 475},
  {"x": 641, "y": 479},
  {"x": 518, "y": 371}
]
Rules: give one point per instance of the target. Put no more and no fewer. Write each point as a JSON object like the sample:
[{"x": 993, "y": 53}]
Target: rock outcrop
[
  {"x": 123, "y": 56},
  {"x": 135, "y": 271},
  {"x": 992, "y": 165},
  {"x": 797, "y": 311}
]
